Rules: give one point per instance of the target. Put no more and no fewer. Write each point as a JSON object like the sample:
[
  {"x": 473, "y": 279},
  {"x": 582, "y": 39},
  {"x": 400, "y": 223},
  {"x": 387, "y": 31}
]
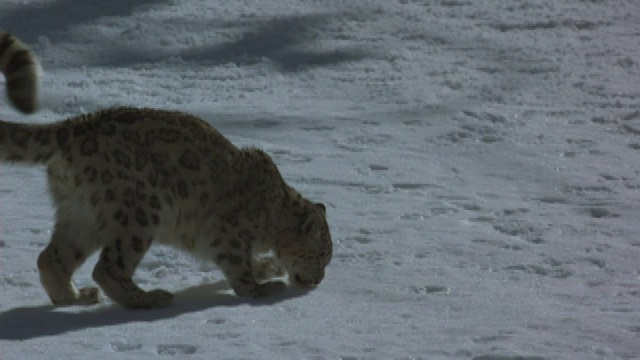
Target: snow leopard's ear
[
  {"x": 308, "y": 220},
  {"x": 307, "y": 224}
]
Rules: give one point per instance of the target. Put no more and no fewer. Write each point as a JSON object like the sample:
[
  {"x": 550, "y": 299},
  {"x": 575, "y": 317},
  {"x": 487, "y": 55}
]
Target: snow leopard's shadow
[{"x": 46, "y": 320}]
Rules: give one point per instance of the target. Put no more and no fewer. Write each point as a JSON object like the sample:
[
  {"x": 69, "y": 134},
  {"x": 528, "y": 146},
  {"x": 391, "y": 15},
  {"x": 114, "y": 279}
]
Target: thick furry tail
[
  {"x": 25, "y": 143},
  {"x": 20, "y": 68}
]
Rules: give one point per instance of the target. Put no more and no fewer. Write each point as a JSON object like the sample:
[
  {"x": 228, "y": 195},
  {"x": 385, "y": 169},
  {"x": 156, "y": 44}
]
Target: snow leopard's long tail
[
  {"x": 23, "y": 143},
  {"x": 20, "y": 69}
]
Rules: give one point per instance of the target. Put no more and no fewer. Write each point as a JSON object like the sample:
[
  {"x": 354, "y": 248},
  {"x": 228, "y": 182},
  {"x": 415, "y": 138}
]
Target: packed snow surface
[{"x": 480, "y": 161}]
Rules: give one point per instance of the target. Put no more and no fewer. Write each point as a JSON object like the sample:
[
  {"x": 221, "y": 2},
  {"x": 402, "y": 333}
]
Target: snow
[{"x": 479, "y": 161}]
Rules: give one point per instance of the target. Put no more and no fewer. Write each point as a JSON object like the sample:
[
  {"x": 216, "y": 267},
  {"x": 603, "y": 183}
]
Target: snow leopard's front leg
[
  {"x": 236, "y": 262},
  {"x": 265, "y": 268}
]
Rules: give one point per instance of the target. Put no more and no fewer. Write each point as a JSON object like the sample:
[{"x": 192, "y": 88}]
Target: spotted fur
[{"x": 122, "y": 179}]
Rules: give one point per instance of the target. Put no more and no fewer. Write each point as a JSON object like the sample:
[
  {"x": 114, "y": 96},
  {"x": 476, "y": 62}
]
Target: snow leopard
[{"x": 124, "y": 178}]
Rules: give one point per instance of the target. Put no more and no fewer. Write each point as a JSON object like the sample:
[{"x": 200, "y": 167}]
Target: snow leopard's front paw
[
  {"x": 267, "y": 268},
  {"x": 258, "y": 290},
  {"x": 268, "y": 289}
]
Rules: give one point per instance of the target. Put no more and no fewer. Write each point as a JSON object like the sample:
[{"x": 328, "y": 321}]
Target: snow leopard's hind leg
[
  {"x": 71, "y": 243},
  {"x": 119, "y": 258}
]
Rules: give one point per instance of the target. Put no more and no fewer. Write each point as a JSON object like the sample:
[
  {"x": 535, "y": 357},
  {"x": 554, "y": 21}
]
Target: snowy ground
[{"x": 480, "y": 161}]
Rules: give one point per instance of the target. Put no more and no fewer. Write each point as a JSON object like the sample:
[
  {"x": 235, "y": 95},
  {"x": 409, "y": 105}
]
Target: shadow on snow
[
  {"x": 29, "y": 22},
  {"x": 286, "y": 41},
  {"x": 46, "y": 320}
]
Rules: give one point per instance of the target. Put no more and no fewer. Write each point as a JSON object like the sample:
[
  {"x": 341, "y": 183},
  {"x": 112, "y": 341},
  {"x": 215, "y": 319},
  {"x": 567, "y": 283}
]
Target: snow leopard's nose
[{"x": 308, "y": 281}]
